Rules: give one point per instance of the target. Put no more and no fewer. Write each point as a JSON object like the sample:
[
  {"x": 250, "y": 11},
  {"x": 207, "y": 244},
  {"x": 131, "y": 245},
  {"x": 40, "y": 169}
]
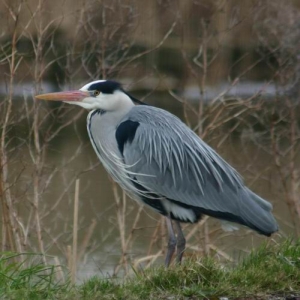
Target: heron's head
[{"x": 101, "y": 94}]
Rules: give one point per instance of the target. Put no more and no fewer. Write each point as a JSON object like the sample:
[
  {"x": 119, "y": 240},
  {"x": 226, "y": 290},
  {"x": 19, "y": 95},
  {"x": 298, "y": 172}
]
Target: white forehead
[{"x": 86, "y": 87}]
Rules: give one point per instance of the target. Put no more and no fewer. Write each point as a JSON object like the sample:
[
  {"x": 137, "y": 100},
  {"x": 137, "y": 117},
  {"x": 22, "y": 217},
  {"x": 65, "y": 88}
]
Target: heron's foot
[
  {"x": 181, "y": 242},
  {"x": 171, "y": 243},
  {"x": 174, "y": 242},
  {"x": 170, "y": 250}
]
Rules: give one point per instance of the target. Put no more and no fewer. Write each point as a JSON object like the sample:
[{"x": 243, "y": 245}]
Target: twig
[{"x": 75, "y": 232}]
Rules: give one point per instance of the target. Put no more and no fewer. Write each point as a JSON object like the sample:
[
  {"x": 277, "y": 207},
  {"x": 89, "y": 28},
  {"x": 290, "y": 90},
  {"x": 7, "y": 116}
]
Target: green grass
[{"x": 267, "y": 271}]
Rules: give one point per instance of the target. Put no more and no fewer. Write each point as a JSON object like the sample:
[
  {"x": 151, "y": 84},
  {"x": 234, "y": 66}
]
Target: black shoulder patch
[
  {"x": 106, "y": 87},
  {"x": 125, "y": 133}
]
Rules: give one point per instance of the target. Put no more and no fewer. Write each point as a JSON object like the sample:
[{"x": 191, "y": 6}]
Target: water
[{"x": 70, "y": 156}]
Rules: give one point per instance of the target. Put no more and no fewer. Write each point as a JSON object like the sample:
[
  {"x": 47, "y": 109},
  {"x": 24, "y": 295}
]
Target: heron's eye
[{"x": 96, "y": 93}]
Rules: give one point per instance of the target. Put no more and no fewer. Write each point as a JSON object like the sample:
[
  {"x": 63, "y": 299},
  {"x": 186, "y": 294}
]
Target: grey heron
[{"x": 162, "y": 163}]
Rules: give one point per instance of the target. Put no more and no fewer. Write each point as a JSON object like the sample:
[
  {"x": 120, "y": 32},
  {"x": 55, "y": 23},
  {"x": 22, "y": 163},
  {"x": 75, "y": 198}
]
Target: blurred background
[{"x": 229, "y": 69}]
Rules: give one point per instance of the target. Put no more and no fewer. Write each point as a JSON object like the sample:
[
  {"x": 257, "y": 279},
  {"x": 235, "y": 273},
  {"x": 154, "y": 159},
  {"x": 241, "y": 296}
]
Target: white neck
[{"x": 120, "y": 102}]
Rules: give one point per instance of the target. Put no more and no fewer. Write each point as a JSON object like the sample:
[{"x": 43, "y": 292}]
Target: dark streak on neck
[{"x": 135, "y": 100}]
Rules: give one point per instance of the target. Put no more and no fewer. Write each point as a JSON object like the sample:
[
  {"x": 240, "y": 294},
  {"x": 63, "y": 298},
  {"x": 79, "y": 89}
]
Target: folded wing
[{"x": 168, "y": 159}]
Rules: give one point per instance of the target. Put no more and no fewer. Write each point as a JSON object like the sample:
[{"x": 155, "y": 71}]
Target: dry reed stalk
[
  {"x": 86, "y": 239},
  {"x": 11, "y": 239},
  {"x": 121, "y": 209},
  {"x": 75, "y": 232},
  {"x": 153, "y": 237},
  {"x": 150, "y": 258},
  {"x": 206, "y": 238},
  {"x": 280, "y": 168},
  {"x": 37, "y": 217},
  {"x": 59, "y": 274},
  {"x": 154, "y": 259},
  {"x": 293, "y": 170},
  {"x": 220, "y": 252},
  {"x": 134, "y": 225},
  {"x": 38, "y": 153},
  {"x": 69, "y": 258},
  {"x": 129, "y": 239},
  {"x": 7, "y": 233},
  {"x": 196, "y": 228}
]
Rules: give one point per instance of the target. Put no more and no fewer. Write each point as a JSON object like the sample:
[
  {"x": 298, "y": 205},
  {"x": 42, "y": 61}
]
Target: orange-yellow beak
[{"x": 72, "y": 96}]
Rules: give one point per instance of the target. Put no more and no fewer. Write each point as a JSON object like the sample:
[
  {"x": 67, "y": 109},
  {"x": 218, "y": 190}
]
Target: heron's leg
[
  {"x": 180, "y": 242},
  {"x": 171, "y": 242}
]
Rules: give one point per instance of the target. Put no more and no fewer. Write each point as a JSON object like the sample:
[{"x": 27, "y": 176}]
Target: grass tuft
[
  {"x": 267, "y": 271},
  {"x": 28, "y": 280}
]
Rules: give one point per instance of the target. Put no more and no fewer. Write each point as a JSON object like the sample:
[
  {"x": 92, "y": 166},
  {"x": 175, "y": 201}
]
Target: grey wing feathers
[{"x": 170, "y": 160}]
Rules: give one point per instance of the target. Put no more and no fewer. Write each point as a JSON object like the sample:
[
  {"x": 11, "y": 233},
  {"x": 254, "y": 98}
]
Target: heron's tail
[{"x": 257, "y": 213}]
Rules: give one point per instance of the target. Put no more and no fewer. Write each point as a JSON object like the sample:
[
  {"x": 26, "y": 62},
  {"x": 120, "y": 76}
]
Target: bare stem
[
  {"x": 75, "y": 232},
  {"x": 11, "y": 239}
]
